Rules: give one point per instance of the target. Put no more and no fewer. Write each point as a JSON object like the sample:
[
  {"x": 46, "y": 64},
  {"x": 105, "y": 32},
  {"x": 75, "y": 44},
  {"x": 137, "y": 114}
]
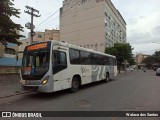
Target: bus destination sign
[{"x": 37, "y": 46}]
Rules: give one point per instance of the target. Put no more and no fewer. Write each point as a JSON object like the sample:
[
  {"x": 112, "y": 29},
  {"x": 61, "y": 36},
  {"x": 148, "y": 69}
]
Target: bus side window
[
  {"x": 115, "y": 62},
  {"x": 94, "y": 59},
  {"x": 74, "y": 56},
  {"x": 111, "y": 61},
  {"x": 107, "y": 62},
  {"x": 59, "y": 61}
]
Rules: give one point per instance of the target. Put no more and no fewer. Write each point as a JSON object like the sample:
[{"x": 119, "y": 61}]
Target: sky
[{"x": 142, "y": 18}]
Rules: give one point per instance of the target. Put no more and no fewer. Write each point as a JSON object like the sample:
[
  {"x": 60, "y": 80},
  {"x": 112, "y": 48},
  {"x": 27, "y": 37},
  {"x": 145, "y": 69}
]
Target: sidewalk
[{"x": 9, "y": 84}]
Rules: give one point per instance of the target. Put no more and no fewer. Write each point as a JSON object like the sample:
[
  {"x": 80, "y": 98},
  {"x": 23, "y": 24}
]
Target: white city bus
[{"x": 52, "y": 66}]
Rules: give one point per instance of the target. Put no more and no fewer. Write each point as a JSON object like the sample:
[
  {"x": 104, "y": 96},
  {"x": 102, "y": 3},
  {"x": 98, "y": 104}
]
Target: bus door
[{"x": 59, "y": 68}]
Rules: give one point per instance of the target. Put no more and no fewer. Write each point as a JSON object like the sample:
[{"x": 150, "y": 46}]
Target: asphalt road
[{"x": 133, "y": 91}]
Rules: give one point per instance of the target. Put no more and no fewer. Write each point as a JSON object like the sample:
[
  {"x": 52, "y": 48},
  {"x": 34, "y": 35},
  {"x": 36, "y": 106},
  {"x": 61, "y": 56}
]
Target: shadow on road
[{"x": 62, "y": 93}]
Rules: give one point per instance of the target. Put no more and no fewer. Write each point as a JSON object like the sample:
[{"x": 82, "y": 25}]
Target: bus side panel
[
  {"x": 86, "y": 74},
  {"x": 115, "y": 71},
  {"x": 99, "y": 72},
  {"x": 111, "y": 72},
  {"x": 63, "y": 79}
]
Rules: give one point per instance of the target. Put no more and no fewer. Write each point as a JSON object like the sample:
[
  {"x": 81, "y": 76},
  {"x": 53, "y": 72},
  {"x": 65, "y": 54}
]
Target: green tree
[
  {"x": 122, "y": 51},
  {"x": 149, "y": 61},
  {"x": 157, "y": 57},
  {"x": 132, "y": 61},
  {"x": 7, "y": 26}
]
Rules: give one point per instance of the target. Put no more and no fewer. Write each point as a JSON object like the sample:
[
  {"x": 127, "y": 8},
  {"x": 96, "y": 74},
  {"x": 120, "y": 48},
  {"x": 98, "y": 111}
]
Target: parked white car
[
  {"x": 158, "y": 72},
  {"x": 130, "y": 69}
]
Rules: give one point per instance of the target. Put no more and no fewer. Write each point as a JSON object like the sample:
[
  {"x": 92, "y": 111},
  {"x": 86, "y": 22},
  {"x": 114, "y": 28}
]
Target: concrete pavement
[
  {"x": 133, "y": 91},
  {"x": 9, "y": 84}
]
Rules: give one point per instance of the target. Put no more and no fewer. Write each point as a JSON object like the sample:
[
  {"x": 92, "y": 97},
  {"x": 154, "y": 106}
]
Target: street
[{"x": 132, "y": 91}]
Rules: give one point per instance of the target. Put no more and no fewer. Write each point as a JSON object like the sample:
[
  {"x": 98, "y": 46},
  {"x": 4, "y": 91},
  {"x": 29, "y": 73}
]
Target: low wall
[{"x": 9, "y": 69}]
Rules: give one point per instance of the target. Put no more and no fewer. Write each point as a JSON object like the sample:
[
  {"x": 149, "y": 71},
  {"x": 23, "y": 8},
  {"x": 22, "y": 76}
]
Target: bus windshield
[{"x": 35, "y": 63}]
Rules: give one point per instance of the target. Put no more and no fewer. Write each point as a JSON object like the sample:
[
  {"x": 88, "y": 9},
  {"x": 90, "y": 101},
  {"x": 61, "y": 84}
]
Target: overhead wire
[
  {"x": 52, "y": 15},
  {"x": 47, "y": 18},
  {"x": 48, "y": 22}
]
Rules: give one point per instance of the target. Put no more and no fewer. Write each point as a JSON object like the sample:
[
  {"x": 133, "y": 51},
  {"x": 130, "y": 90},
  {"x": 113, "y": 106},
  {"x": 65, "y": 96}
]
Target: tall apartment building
[
  {"x": 47, "y": 35},
  {"x": 94, "y": 24}
]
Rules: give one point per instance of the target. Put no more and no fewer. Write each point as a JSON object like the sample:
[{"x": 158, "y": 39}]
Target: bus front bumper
[{"x": 35, "y": 86}]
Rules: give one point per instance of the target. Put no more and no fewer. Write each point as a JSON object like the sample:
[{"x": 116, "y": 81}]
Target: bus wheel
[
  {"x": 75, "y": 85},
  {"x": 107, "y": 78}
]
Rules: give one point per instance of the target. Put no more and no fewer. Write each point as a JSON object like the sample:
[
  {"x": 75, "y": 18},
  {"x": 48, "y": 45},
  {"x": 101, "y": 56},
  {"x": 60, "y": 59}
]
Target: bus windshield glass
[{"x": 35, "y": 62}]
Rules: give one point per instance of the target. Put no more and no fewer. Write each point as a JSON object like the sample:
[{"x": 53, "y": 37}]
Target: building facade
[
  {"x": 8, "y": 51},
  {"x": 94, "y": 24},
  {"x": 25, "y": 42},
  {"x": 8, "y": 62},
  {"x": 47, "y": 35},
  {"x": 140, "y": 57}
]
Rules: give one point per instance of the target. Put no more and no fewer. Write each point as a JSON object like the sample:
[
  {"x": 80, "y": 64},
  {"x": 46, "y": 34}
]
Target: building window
[
  {"x": 9, "y": 51},
  {"x": 92, "y": 45},
  {"x": 39, "y": 35}
]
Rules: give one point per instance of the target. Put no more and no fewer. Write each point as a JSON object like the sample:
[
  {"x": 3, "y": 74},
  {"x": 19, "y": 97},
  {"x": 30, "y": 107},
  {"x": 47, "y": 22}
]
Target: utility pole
[{"x": 31, "y": 11}]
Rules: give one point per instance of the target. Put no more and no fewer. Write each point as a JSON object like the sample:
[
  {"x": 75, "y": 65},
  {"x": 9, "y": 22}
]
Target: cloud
[
  {"x": 46, "y": 9},
  {"x": 146, "y": 48},
  {"x": 132, "y": 21},
  {"x": 156, "y": 30},
  {"x": 139, "y": 37},
  {"x": 142, "y": 18}
]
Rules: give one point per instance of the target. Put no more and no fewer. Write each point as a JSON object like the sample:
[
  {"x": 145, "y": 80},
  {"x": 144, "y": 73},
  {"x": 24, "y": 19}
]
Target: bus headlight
[{"x": 45, "y": 80}]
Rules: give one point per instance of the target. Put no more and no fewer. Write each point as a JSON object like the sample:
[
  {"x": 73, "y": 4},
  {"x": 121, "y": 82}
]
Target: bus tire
[
  {"x": 75, "y": 85},
  {"x": 107, "y": 78}
]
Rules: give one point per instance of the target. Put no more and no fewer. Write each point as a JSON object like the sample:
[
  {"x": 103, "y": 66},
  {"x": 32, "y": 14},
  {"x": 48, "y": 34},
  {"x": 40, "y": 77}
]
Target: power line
[
  {"x": 47, "y": 22},
  {"x": 54, "y": 14},
  {"x": 47, "y": 18}
]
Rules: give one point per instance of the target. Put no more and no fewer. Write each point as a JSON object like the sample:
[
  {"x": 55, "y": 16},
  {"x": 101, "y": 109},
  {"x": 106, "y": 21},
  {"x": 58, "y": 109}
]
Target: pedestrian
[{"x": 144, "y": 69}]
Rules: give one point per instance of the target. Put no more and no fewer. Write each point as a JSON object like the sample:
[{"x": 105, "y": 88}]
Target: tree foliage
[
  {"x": 7, "y": 27},
  {"x": 151, "y": 60},
  {"x": 156, "y": 56},
  {"x": 122, "y": 51}
]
